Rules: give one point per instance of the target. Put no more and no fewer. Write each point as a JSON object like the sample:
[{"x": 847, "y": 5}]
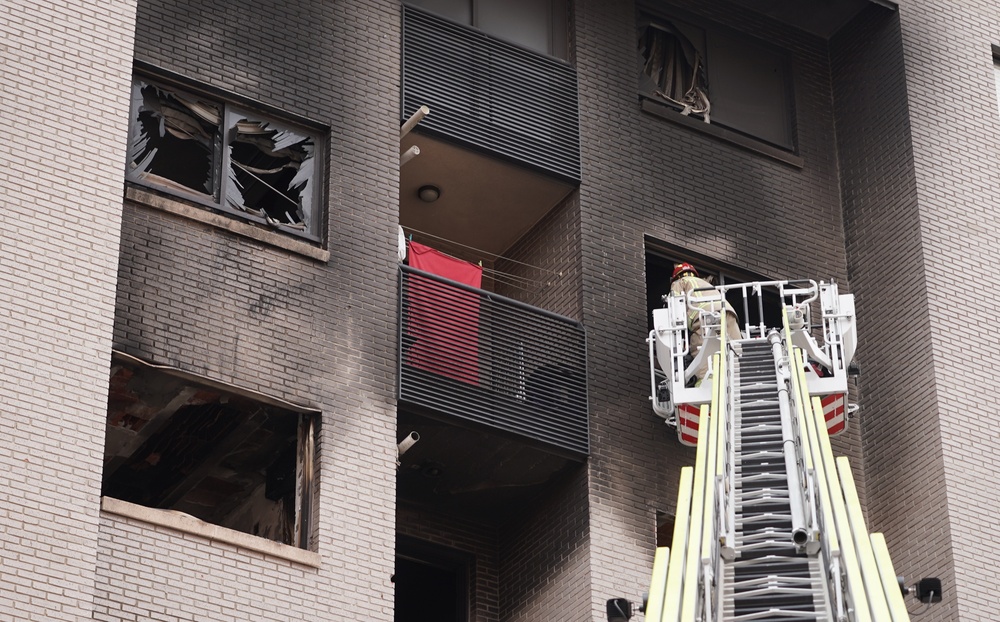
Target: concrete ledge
[
  {"x": 667, "y": 113},
  {"x": 186, "y": 523},
  {"x": 246, "y": 229}
]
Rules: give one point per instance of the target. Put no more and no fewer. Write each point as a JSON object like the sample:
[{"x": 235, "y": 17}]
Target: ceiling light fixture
[{"x": 429, "y": 194}]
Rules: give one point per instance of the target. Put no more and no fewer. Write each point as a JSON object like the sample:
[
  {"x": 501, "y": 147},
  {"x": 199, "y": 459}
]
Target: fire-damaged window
[
  {"x": 175, "y": 441},
  {"x": 717, "y": 75},
  {"x": 208, "y": 150}
]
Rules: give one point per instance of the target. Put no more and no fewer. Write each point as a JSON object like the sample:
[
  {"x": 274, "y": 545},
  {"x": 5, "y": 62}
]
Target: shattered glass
[
  {"x": 271, "y": 172},
  {"x": 173, "y": 139}
]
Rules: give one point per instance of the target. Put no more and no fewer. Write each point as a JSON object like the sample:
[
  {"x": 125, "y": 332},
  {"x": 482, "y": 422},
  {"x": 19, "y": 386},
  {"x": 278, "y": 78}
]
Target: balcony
[
  {"x": 481, "y": 360},
  {"x": 490, "y": 95}
]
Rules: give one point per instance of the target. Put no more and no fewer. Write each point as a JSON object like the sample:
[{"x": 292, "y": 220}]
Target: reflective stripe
[
  {"x": 833, "y": 412},
  {"x": 688, "y": 417}
]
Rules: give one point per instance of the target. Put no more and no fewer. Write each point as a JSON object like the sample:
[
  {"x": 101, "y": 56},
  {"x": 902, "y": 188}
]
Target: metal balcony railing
[
  {"x": 489, "y": 360},
  {"x": 490, "y": 94}
]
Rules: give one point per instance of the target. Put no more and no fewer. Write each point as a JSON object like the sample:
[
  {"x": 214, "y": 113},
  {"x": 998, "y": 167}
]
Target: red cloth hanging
[{"x": 444, "y": 320}]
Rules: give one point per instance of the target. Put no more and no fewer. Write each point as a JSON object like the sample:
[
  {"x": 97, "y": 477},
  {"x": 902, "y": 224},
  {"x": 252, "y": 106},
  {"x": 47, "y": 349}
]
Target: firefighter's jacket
[{"x": 688, "y": 285}]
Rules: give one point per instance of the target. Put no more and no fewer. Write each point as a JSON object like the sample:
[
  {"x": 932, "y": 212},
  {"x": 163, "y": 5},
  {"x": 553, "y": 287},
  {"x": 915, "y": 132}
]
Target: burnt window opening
[
  {"x": 174, "y": 139},
  {"x": 673, "y": 66},
  {"x": 175, "y": 443},
  {"x": 726, "y": 78},
  {"x": 246, "y": 164},
  {"x": 271, "y": 169},
  {"x": 659, "y": 276}
]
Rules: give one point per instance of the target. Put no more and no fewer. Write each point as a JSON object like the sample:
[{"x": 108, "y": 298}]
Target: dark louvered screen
[
  {"x": 490, "y": 94},
  {"x": 489, "y": 360}
]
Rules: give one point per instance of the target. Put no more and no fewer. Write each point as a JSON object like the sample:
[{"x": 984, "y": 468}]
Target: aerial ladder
[{"x": 769, "y": 526}]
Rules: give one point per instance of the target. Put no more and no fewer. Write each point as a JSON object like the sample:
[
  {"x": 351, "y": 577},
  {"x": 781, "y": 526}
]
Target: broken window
[
  {"x": 264, "y": 170},
  {"x": 718, "y": 75},
  {"x": 175, "y": 138},
  {"x": 673, "y": 67},
  {"x": 271, "y": 170},
  {"x": 229, "y": 457}
]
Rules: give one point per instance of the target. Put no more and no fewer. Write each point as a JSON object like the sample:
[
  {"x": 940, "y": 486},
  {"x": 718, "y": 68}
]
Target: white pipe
[
  {"x": 417, "y": 117},
  {"x": 407, "y": 442},
  {"x": 409, "y": 154},
  {"x": 800, "y": 535}
]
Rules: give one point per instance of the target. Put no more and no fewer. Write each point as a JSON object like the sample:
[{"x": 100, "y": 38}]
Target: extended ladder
[{"x": 768, "y": 525}]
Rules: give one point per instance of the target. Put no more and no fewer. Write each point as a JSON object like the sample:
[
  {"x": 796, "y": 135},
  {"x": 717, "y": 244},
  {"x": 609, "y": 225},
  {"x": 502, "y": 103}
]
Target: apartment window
[
  {"x": 538, "y": 25},
  {"x": 659, "y": 275},
  {"x": 718, "y": 76},
  {"x": 230, "y": 457},
  {"x": 233, "y": 159}
]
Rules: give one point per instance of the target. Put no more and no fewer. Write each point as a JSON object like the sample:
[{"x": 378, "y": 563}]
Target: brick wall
[
  {"x": 544, "y": 557},
  {"x": 546, "y": 262},
  {"x": 923, "y": 256},
  {"x": 63, "y": 116},
  {"x": 237, "y": 310},
  {"x": 644, "y": 175},
  {"x": 473, "y": 537}
]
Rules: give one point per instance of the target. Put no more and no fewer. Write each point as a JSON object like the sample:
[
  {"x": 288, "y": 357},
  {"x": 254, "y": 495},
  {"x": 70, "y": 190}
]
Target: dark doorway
[{"x": 431, "y": 583}]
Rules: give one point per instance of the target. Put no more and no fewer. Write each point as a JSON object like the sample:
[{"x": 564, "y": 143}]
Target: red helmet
[{"x": 681, "y": 268}]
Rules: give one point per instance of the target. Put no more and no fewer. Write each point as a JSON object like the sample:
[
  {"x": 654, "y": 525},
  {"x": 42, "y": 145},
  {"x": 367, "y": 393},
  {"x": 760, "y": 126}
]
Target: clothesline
[{"x": 499, "y": 276}]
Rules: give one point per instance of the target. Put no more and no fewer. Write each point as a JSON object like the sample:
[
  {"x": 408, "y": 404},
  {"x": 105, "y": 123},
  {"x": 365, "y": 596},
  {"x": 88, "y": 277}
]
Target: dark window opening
[
  {"x": 718, "y": 75},
  {"x": 673, "y": 66},
  {"x": 664, "y": 529},
  {"x": 659, "y": 273},
  {"x": 174, "y": 443},
  {"x": 174, "y": 138},
  {"x": 431, "y": 582},
  {"x": 272, "y": 168}
]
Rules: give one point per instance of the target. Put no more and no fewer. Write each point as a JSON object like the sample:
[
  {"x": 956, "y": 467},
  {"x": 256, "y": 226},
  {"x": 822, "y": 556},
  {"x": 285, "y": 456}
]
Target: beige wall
[{"x": 64, "y": 83}]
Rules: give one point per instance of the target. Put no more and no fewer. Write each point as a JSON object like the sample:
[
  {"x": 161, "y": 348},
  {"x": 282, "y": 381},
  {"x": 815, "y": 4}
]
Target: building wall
[
  {"x": 932, "y": 452},
  {"x": 545, "y": 263},
  {"x": 241, "y": 311},
  {"x": 476, "y": 538},
  {"x": 545, "y": 558},
  {"x": 899, "y": 405},
  {"x": 64, "y": 80},
  {"x": 644, "y": 175}
]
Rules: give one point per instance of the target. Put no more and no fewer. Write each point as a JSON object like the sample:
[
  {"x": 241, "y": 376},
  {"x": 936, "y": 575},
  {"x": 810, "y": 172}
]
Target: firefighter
[{"x": 685, "y": 280}]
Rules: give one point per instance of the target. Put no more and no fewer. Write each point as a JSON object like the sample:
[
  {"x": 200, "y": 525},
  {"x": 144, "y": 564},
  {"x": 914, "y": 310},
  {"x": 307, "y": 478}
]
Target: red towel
[{"x": 444, "y": 320}]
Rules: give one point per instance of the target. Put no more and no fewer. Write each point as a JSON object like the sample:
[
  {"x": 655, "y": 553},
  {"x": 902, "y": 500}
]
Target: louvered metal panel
[
  {"x": 491, "y": 95},
  {"x": 490, "y": 360}
]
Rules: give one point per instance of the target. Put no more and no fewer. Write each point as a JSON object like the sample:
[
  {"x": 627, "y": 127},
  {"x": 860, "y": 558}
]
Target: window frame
[
  {"x": 712, "y": 270},
  {"x": 558, "y": 38},
  {"x": 652, "y": 103},
  {"x": 232, "y": 107},
  {"x": 304, "y": 443}
]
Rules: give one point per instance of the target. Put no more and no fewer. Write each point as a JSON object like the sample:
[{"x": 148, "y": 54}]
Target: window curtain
[{"x": 672, "y": 68}]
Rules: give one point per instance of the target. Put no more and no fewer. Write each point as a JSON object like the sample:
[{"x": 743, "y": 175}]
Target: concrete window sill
[
  {"x": 215, "y": 219},
  {"x": 186, "y": 523},
  {"x": 721, "y": 133}
]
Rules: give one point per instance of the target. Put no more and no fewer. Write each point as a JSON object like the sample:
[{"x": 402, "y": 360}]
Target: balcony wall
[
  {"x": 473, "y": 356},
  {"x": 491, "y": 95}
]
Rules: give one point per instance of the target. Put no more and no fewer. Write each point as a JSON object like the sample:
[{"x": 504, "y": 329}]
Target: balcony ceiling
[
  {"x": 485, "y": 203},
  {"x": 819, "y": 17},
  {"x": 471, "y": 472}
]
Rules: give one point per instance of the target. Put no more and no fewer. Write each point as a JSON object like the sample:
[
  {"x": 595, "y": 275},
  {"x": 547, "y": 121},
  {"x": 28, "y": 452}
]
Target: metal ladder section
[{"x": 768, "y": 579}]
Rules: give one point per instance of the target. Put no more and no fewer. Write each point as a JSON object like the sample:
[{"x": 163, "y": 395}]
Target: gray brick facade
[{"x": 891, "y": 190}]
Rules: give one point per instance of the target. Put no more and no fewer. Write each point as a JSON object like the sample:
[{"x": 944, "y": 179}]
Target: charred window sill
[
  {"x": 716, "y": 131},
  {"x": 186, "y": 523},
  {"x": 215, "y": 219}
]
